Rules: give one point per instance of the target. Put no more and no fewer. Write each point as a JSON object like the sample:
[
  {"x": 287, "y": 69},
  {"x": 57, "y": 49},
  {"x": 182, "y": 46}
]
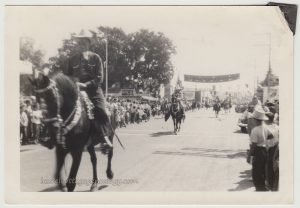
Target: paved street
[{"x": 209, "y": 154}]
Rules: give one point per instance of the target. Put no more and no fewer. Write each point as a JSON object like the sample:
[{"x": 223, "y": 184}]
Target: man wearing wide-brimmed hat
[
  {"x": 273, "y": 153},
  {"x": 86, "y": 69},
  {"x": 259, "y": 149}
]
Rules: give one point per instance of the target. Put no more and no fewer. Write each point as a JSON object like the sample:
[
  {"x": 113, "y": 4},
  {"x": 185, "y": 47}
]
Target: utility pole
[{"x": 106, "y": 67}]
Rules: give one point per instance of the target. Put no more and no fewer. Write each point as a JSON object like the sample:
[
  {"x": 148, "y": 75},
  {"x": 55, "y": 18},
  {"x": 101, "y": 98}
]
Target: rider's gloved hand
[{"x": 81, "y": 86}]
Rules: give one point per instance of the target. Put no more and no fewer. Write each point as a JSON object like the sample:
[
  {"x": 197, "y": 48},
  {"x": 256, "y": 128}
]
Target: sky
[{"x": 209, "y": 40}]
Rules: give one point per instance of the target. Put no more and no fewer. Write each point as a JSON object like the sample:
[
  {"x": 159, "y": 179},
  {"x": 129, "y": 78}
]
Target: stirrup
[
  {"x": 107, "y": 142},
  {"x": 105, "y": 148}
]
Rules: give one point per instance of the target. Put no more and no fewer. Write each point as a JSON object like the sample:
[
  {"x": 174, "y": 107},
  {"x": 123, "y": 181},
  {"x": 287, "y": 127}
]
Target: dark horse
[
  {"x": 217, "y": 108},
  {"x": 69, "y": 127},
  {"x": 177, "y": 116}
]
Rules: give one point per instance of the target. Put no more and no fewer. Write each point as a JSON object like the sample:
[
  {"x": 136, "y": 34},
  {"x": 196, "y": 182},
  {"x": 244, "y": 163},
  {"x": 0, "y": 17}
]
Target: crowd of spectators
[
  {"x": 31, "y": 115},
  {"x": 123, "y": 112}
]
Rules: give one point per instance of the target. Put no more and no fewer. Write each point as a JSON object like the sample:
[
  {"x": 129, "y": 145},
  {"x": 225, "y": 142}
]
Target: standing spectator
[
  {"x": 29, "y": 114},
  {"x": 118, "y": 118},
  {"x": 140, "y": 113},
  {"x": 255, "y": 102},
  {"x": 33, "y": 100},
  {"x": 259, "y": 149},
  {"x": 122, "y": 113},
  {"x": 273, "y": 153},
  {"x": 127, "y": 117},
  {"x": 23, "y": 125},
  {"x": 251, "y": 121},
  {"x": 276, "y": 108},
  {"x": 36, "y": 122},
  {"x": 132, "y": 113}
]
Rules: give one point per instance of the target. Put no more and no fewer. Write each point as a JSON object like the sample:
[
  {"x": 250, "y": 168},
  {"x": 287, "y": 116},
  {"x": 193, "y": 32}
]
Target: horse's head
[
  {"x": 46, "y": 90},
  {"x": 40, "y": 79}
]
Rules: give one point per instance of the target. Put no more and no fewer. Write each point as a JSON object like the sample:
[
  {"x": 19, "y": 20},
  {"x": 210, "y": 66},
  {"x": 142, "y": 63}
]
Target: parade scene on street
[{"x": 119, "y": 107}]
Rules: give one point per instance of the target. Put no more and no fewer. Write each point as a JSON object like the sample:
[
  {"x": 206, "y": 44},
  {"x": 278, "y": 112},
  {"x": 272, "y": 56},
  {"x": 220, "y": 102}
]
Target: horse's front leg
[
  {"x": 60, "y": 158},
  {"x": 71, "y": 181},
  {"x": 179, "y": 125},
  {"x": 174, "y": 123},
  {"x": 93, "y": 157},
  {"x": 109, "y": 172}
]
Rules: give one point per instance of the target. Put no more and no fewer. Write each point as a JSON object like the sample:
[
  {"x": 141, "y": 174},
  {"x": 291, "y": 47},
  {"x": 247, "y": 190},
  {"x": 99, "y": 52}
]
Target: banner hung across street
[{"x": 211, "y": 79}]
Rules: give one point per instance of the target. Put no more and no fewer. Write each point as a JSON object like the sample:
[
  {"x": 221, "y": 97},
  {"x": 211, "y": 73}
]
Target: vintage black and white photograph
[{"x": 153, "y": 98}]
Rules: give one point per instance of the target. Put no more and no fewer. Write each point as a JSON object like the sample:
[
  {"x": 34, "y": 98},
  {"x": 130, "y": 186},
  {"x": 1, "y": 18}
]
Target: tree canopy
[
  {"x": 139, "y": 60},
  {"x": 29, "y": 53}
]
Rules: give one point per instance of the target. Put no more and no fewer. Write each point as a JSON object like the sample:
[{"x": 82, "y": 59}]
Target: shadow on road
[
  {"x": 51, "y": 189},
  {"x": 203, "y": 152},
  {"x": 99, "y": 188},
  {"x": 162, "y": 133},
  {"x": 211, "y": 149},
  {"x": 238, "y": 154},
  {"x": 102, "y": 187},
  {"x": 239, "y": 132},
  {"x": 245, "y": 182},
  {"x": 25, "y": 150},
  {"x": 56, "y": 188}
]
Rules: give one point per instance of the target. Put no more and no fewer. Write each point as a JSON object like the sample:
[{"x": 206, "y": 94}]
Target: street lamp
[
  {"x": 106, "y": 68},
  {"x": 104, "y": 37}
]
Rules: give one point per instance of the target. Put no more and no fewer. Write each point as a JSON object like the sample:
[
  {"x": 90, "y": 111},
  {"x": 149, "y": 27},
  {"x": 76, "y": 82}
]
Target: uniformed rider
[
  {"x": 175, "y": 99},
  {"x": 86, "y": 69}
]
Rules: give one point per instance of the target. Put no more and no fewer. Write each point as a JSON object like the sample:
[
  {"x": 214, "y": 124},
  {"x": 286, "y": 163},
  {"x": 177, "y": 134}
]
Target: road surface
[{"x": 209, "y": 154}]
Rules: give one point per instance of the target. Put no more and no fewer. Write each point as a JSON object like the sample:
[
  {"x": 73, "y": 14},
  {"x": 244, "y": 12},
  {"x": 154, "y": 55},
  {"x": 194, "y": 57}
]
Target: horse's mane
[{"x": 67, "y": 88}]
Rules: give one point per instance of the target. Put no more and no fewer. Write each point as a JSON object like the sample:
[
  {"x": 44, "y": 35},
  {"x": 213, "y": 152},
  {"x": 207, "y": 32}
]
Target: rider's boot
[{"x": 107, "y": 142}]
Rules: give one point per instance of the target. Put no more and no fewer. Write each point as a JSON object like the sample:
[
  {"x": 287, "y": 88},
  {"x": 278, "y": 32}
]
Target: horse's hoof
[
  {"x": 94, "y": 187},
  {"x": 110, "y": 175},
  {"x": 63, "y": 188}
]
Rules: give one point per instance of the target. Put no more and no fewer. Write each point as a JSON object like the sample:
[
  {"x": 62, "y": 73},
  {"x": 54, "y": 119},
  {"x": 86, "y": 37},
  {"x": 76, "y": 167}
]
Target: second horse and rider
[{"x": 176, "y": 111}]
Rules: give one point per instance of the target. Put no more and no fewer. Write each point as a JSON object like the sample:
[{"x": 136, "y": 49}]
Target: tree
[
  {"x": 29, "y": 53},
  {"x": 118, "y": 65},
  {"x": 35, "y": 56},
  {"x": 149, "y": 54},
  {"x": 139, "y": 60}
]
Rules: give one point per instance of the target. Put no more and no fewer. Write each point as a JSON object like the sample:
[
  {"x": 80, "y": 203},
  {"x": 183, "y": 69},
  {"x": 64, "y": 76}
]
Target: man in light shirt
[
  {"x": 260, "y": 147},
  {"x": 36, "y": 117},
  {"x": 23, "y": 124}
]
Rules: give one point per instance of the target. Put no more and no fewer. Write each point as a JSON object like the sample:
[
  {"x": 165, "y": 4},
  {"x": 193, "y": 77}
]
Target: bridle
[{"x": 64, "y": 126}]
